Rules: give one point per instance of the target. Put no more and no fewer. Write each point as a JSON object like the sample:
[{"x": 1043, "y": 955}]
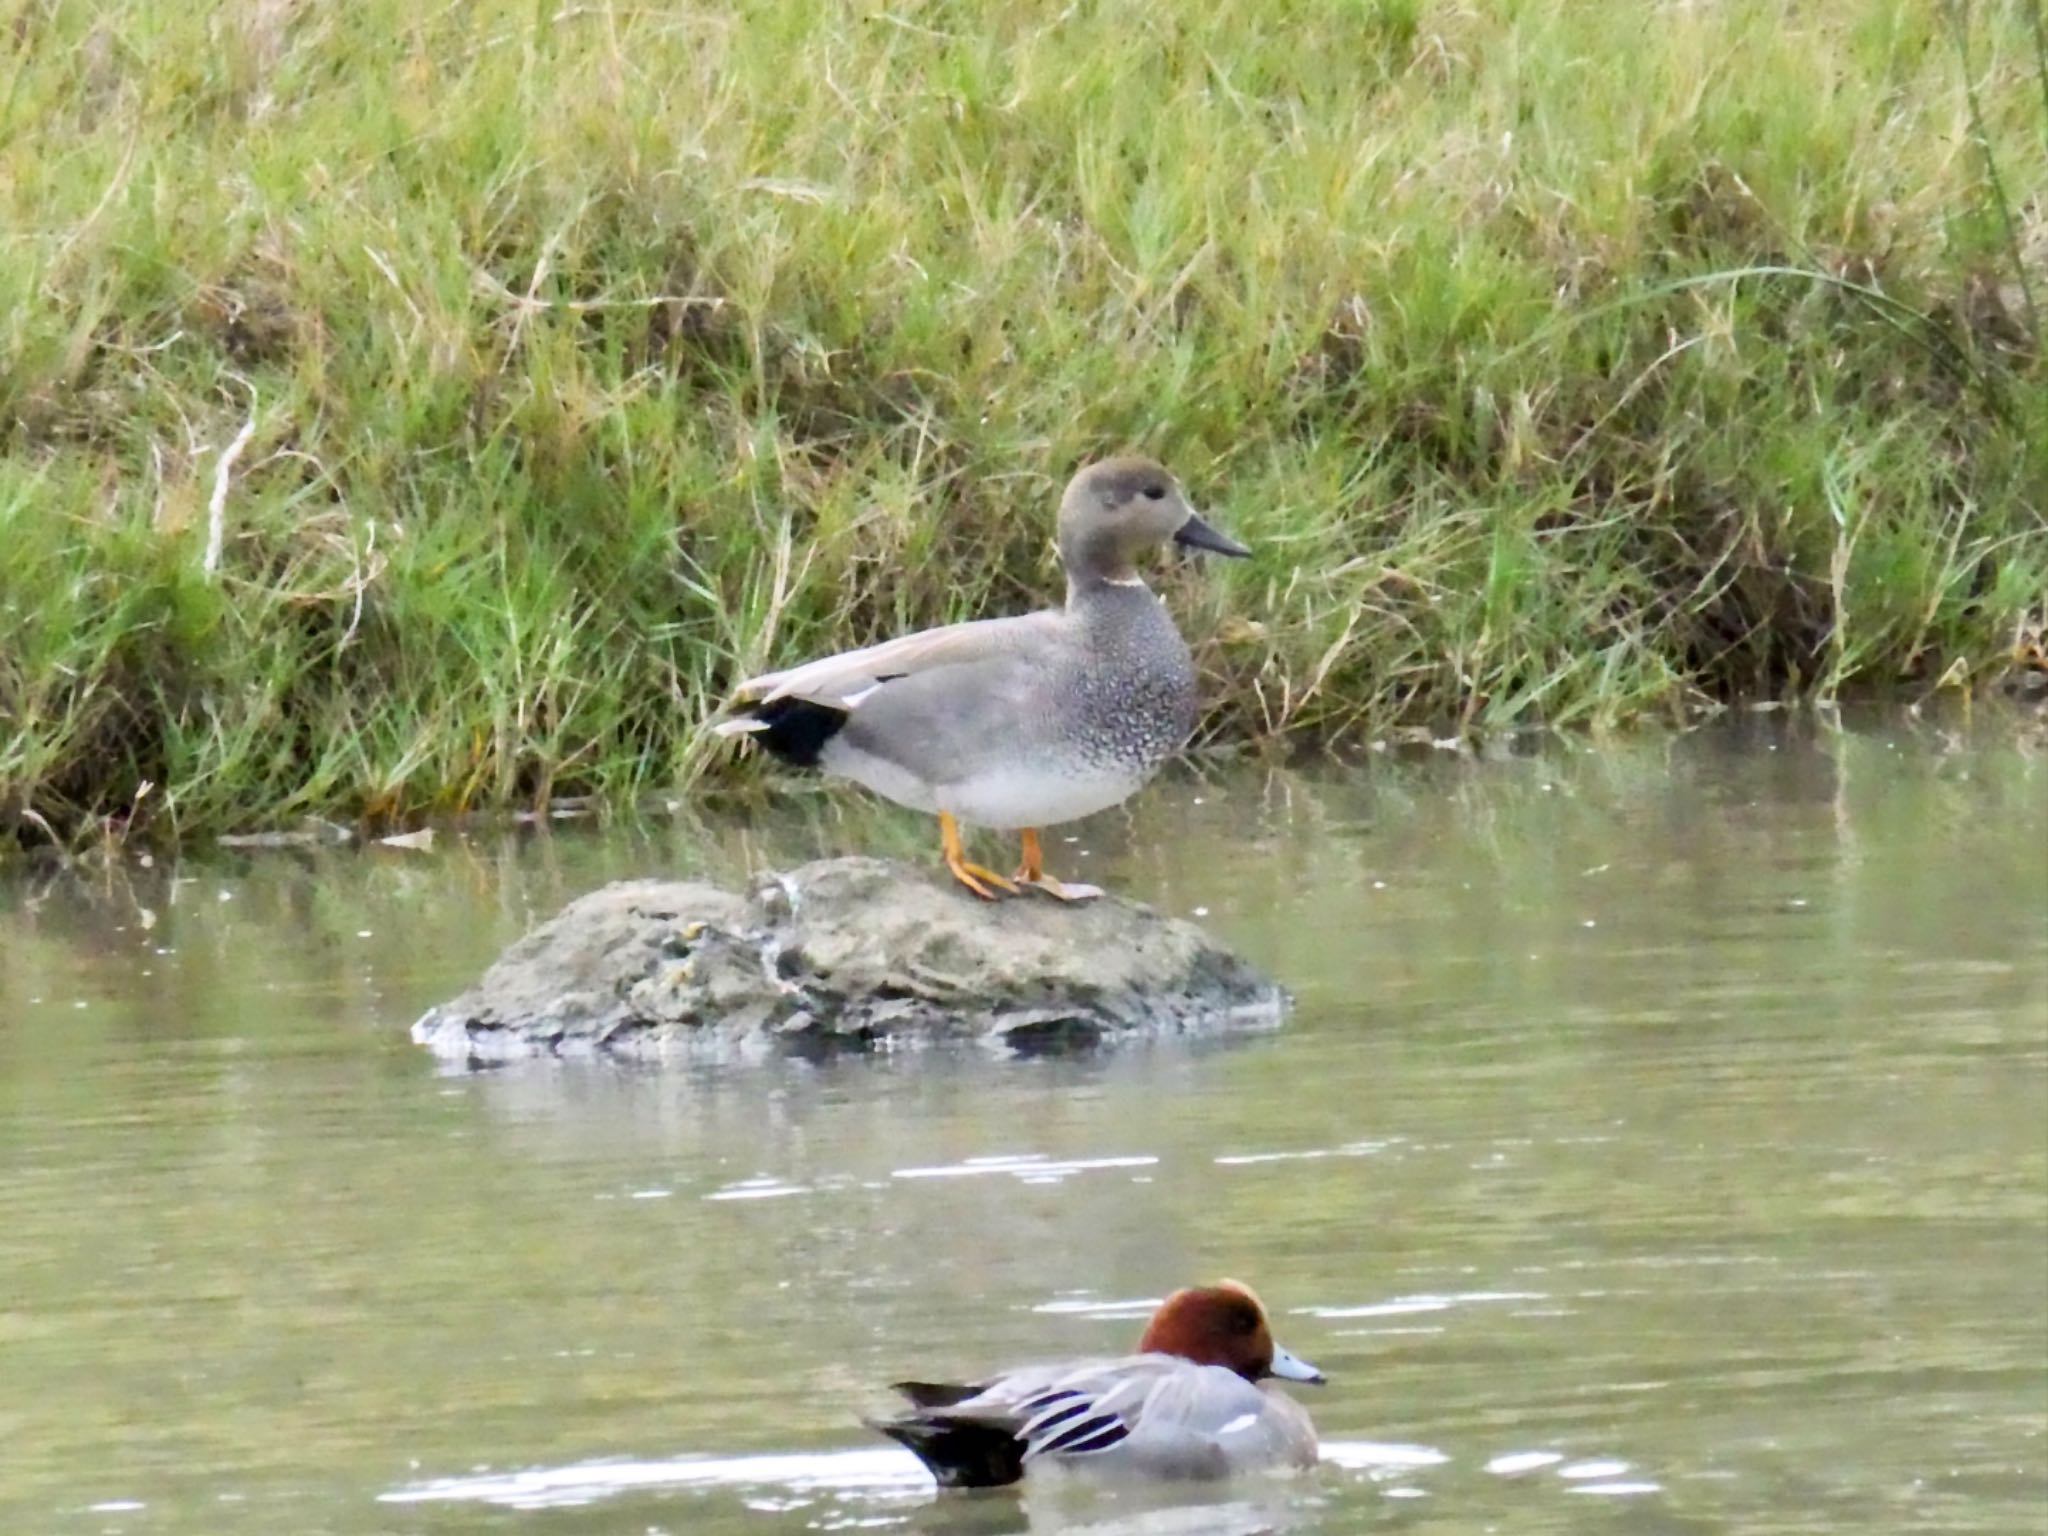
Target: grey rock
[{"x": 843, "y": 954}]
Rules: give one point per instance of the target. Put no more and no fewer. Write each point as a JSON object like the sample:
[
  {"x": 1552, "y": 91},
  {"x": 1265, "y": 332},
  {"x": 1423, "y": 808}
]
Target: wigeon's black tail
[
  {"x": 960, "y": 1453},
  {"x": 938, "y": 1394},
  {"x": 794, "y": 730}
]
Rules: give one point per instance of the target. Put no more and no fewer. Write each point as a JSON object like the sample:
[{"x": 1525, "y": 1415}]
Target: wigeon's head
[{"x": 1222, "y": 1324}]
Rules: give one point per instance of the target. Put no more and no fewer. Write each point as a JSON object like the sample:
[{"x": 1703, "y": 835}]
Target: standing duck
[
  {"x": 1191, "y": 1403},
  {"x": 1014, "y": 723}
]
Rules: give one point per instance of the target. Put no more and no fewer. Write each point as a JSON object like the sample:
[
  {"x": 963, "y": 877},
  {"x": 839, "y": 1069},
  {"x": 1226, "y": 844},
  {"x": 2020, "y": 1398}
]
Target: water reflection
[
  {"x": 1657, "y": 1146},
  {"x": 874, "y": 1488},
  {"x": 868, "y": 1473}
]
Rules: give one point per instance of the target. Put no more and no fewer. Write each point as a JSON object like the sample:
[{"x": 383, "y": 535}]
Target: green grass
[{"x": 1566, "y": 363}]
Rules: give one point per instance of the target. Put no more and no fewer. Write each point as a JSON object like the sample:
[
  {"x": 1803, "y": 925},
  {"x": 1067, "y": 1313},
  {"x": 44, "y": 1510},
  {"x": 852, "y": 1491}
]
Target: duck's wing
[
  {"x": 842, "y": 681},
  {"x": 1085, "y": 1408},
  {"x": 1088, "y": 1411},
  {"x": 1169, "y": 1418},
  {"x": 970, "y": 1435},
  {"x": 1151, "y": 1414}
]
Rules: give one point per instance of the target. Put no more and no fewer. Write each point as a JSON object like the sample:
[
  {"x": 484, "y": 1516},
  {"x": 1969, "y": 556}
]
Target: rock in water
[{"x": 842, "y": 954}]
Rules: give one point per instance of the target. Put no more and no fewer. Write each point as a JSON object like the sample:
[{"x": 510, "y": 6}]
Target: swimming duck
[
  {"x": 1013, "y": 723},
  {"x": 1189, "y": 1404}
]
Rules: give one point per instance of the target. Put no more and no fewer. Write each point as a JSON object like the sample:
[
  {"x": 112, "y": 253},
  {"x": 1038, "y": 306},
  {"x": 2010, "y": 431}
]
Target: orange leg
[
  {"x": 1032, "y": 873},
  {"x": 1032, "y": 870},
  {"x": 973, "y": 876}
]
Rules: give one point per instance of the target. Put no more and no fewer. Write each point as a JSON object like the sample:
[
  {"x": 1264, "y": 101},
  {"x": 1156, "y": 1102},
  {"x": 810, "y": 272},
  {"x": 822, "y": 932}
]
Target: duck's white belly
[
  {"x": 889, "y": 780},
  {"x": 1001, "y": 796},
  {"x": 1021, "y": 796}
]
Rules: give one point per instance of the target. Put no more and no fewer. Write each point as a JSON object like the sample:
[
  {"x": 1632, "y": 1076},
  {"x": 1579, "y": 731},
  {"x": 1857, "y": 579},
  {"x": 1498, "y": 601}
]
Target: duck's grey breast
[
  {"x": 1128, "y": 690},
  {"x": 1104, "y": 714},
  {"x": 1053, "y": 732}
]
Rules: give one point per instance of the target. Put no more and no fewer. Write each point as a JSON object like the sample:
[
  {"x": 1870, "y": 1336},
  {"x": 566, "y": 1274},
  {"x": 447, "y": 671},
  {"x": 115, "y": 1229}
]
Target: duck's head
[
  {"x": 1114, "y": 511},
  {"x": 1223, "y": 1324}
]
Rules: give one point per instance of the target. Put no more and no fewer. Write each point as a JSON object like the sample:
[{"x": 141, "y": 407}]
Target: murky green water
[{"x": 1660, "y": 1145}]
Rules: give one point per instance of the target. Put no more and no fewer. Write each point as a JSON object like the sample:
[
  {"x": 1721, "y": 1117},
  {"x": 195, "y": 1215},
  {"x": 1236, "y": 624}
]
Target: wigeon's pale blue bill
[
  {"x": 1197, "y": 534},
  {"x": 1290, "y": 1367}
]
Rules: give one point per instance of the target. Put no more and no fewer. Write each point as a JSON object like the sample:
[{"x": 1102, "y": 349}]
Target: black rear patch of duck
[
  {"x": 796, "y": 730},
  {"x": 959, "y": 1453}
]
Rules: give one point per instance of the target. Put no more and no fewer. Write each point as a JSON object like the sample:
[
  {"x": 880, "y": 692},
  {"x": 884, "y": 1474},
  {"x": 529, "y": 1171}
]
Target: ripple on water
[
  {"x": 1308, "y": 1154},
  {"x": 1121, "y": 1309},
  {"x": 1030, "y": 1167},
  {"x": 1399, "y": 1306},
  {"x": 881, "y": 1473},
  {"x": 765, "y": 1188},
  {"x": 871, "y": 1472},
  {"x": 1515, "y": 1463}
]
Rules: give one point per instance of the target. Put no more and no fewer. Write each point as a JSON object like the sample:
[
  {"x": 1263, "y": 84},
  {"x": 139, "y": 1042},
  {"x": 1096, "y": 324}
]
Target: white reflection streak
[
  {"x": 1580, "y": 1469},
  {"x": 878, "y": 1471},
  {"x": 1380, "y": 1456},
  {"x": 758, "y": 1189},
  {"x": 1308, "y": 1155},
  {"x": 1427, "y": 1302},
  {"x": 1031, "y": 1166},
  {"x": 1081, "y": 1306},
  {"x": 1514, "y": 1463},
  {"x": 1617, "y": 1488}
]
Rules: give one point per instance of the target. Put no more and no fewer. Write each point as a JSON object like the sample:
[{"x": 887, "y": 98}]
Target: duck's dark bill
[{"x": 1197, "y": 534}]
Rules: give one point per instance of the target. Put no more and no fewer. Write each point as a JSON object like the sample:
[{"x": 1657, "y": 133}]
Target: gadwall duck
[
  {"x": 1014, "y": 723},
  {"x": 1190, "y": 1404}
]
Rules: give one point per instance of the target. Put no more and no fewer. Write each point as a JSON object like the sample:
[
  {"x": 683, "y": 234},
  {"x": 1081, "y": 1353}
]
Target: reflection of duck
[
  {"x": 1018, "y": 722},
  {"x": 1125, "y": 1509},
  {"x": 1189, "y": 1404}
]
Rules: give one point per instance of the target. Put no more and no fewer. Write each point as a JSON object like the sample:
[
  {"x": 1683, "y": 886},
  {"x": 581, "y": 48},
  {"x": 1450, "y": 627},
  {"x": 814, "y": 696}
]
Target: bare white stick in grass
[{"x": 223, "y": 468}]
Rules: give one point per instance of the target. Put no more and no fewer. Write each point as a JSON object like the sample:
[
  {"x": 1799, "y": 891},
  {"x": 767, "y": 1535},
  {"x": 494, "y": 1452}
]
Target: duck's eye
[{"x": 1154, "y": 493}]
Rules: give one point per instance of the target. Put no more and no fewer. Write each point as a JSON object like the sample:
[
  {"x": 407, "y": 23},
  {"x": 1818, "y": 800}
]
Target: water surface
[{"x": 1660, "y": 1144}]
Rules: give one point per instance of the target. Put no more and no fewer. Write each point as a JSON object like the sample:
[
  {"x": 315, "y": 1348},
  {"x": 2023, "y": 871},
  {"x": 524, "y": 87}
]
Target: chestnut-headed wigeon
[{"x": 1190, "y": 1403}]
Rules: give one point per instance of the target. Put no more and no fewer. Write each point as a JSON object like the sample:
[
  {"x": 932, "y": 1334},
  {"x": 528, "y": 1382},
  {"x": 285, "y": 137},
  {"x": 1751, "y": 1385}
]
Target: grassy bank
[{"x": 540, "y": 368}]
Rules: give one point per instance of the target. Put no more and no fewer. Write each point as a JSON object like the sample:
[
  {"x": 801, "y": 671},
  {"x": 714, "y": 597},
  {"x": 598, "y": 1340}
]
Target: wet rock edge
[{"x": 838, "y": 956}]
